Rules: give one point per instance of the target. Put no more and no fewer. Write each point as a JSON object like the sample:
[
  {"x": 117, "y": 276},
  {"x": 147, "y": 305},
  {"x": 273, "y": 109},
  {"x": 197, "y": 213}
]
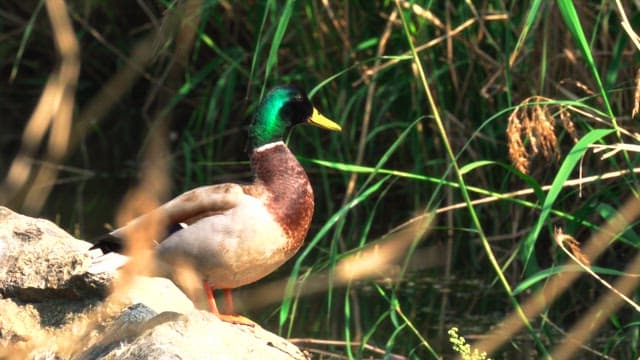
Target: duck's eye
[{"x": 298, "y": 97}]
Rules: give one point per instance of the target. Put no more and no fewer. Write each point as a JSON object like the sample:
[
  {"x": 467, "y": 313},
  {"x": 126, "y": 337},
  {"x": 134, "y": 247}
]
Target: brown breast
[{"x": 283, "y": 184}]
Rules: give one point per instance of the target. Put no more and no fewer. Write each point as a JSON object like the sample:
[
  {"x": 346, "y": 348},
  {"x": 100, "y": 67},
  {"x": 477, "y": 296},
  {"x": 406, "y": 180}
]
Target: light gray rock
[
  {"x": 124, "y": 329},
  {"x": 159, "y": 294},
  {"x": 52, "y": 306},
  {"x": 39, "y": 261},
  {"x": 201, "y": 335}
]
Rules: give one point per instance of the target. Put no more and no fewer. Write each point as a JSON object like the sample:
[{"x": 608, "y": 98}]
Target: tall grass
[{"x": 430, "y": 96}]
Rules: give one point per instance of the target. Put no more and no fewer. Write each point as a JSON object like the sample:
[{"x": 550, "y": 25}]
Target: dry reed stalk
[
  {"x": 54, "y": 114},
  {"x": 636, "y": 97},
  {"x": 531, "y": 131},
  {"x": 379, "y": 259},
  {"x": 534, "y": 305}
]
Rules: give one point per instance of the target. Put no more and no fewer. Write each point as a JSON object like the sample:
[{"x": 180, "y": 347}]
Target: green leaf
[
  {"x": 571, "y": 19},
  {"x": 283, "y": 22},
  {"x": 569, "y": 163},
  {"x": 547, "y": 273}
]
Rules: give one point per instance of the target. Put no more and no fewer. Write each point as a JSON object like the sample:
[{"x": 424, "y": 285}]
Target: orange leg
[
  {"x": 230, "y": 316},
  {"x": 228, "y": 301},
  {"x": 210, "y": 299}
]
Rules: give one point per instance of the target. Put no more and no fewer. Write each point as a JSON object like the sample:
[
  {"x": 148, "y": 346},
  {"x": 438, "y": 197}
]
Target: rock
[
  {"x": 196, "y": 335},
  {"x": 159, "y": 294},
  {"x": 40, "y": 261},
  {"x": 54, "y": 304},
  {"x": 17, "y": 322},
  {"x": 124, "y": 328}
]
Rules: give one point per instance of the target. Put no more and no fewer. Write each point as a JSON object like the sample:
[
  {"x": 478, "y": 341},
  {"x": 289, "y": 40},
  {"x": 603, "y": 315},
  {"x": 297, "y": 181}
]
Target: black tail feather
[{"x": 108, "y": 243}]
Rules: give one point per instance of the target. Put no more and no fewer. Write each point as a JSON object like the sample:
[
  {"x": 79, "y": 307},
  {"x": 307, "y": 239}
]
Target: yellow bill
[{"x": 323, "y": 122}]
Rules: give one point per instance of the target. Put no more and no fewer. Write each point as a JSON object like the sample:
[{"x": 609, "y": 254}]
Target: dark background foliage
[{"x": 481, "y": 60}]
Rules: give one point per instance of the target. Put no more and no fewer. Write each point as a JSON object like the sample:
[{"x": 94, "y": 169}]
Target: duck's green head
[{"x": 282, "y": 108}]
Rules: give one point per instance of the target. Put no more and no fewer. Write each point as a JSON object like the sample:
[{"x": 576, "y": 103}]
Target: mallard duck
[{"x": 234, "y": 234}]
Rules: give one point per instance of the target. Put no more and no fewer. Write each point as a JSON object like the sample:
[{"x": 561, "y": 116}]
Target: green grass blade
[
  {"x": 28, "y": 29},
  {"x": 547, "y": 273},
  {"x": 571, "y": 19},
  {"x": 532, "y": 15},
  {"x": 283, "y": 22},
  {"x": 257, "y": 50},
  {"x": 572, "y": 159}
]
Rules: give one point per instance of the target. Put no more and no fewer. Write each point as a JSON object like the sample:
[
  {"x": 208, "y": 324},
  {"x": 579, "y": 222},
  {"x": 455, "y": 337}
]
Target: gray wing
[{"x": 185, "y": 208}]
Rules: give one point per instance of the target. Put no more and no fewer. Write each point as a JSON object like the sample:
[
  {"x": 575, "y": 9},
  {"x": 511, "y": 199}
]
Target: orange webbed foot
[
  {"x": 230, "y": 317},
  {"x": 236, "y": 319}
]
